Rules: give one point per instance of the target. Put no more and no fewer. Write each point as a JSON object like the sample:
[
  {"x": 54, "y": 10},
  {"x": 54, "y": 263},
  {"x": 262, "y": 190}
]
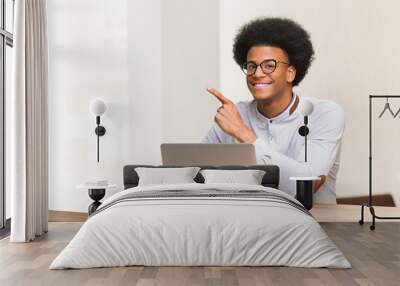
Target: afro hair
[{"x": 276, "y": 32}]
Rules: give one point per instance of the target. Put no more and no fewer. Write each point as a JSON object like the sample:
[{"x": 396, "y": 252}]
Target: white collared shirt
[{"x": 279, "y": 143}]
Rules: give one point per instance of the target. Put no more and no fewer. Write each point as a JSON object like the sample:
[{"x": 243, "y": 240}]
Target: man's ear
[{"x": 290, "y": 74}]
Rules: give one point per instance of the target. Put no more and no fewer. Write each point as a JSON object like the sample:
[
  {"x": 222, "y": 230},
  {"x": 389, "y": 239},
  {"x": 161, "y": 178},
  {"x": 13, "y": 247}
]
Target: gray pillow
[
  {"x": 248, "y": 177},
  {"x": 165, "y": 176}
]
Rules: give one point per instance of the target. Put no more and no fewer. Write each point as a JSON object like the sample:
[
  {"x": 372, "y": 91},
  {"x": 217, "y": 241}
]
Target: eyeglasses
[{"x": 267, "y": 66}]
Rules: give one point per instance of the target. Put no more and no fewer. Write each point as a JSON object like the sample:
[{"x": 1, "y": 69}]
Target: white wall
[
  {"x": 152, "y": 60},
  {"x": 144, "y": 58},
  {"x": 190, "y": 56},
  {"x": 356, "y": 46},
  {"x": 88, "y": 45}
]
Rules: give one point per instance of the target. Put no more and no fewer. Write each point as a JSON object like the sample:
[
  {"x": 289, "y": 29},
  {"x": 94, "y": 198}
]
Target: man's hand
[
  {"x": 229, "y": 120},
  {"x": 318, "y": 184}
]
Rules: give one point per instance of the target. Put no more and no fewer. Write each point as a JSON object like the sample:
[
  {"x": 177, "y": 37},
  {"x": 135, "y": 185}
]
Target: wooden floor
[{"x": 374, "y": 255}]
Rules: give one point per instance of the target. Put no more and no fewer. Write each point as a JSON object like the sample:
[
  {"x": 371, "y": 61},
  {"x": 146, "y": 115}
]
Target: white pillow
[
  {"x": 248, "y": 177},
  {"x": 164, "y": 176}
]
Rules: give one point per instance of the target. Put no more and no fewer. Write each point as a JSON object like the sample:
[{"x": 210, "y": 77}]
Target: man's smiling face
[{"x": 265, "y": 87}]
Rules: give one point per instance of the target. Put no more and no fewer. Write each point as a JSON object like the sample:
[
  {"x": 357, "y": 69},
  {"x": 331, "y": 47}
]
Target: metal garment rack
[{"x": 369, "y": 204}]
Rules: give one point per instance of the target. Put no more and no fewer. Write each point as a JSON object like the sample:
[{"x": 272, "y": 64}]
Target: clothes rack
[{"x": 370, "y": 202}]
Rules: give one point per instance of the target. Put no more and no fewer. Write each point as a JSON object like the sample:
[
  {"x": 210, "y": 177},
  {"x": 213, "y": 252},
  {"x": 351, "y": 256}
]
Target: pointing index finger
[{"x": 219, "y": 96}]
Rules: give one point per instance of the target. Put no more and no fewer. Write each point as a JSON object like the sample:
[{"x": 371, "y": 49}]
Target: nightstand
[{"x": 96, "y": 193}]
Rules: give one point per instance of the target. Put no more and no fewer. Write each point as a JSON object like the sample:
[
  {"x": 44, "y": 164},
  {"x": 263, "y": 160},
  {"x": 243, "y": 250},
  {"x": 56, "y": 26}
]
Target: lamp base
[{"x": 100, "y": 130}]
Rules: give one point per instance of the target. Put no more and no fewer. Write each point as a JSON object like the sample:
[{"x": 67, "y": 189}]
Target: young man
[{"x": 275, "y": 55}]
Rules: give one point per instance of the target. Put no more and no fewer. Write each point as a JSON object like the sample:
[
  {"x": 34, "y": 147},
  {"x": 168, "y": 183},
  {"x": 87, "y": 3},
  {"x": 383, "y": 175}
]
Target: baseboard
[
  {"x": 63, "y": 216},
  {"x": 385, "y": 200}
]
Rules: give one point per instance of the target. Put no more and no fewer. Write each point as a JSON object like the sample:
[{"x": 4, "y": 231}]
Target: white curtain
[{"x": 28, "y": 120}]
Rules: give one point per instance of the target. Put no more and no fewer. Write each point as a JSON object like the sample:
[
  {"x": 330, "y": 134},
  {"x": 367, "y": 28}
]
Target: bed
[{"x": 201, "y": 224}]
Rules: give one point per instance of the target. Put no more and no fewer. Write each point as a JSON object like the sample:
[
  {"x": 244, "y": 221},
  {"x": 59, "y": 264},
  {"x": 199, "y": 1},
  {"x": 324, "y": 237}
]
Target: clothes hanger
[{"x": 387, "y": 107}]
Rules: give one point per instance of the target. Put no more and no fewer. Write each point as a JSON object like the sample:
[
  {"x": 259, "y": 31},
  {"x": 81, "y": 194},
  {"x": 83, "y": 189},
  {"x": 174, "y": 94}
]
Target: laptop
[{"x": 197, "y": 154}]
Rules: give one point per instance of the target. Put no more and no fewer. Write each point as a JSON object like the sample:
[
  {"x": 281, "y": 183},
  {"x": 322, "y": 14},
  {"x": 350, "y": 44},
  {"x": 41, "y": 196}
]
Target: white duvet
[{"x": 200, "y": 231}]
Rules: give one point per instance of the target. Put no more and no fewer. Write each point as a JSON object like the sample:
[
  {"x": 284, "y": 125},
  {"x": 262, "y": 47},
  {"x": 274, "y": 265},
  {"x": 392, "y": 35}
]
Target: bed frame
[{"x": 270, "y": 179}]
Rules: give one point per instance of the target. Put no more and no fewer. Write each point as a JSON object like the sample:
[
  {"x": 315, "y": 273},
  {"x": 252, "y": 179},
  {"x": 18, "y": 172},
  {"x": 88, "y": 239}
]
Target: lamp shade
[
  {"x": 306, "y": 108},
  {"x": 97, "y": 107}
]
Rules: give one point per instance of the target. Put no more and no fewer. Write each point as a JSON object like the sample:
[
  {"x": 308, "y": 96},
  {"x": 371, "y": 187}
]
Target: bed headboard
[{"x": 270, "y": 179}]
